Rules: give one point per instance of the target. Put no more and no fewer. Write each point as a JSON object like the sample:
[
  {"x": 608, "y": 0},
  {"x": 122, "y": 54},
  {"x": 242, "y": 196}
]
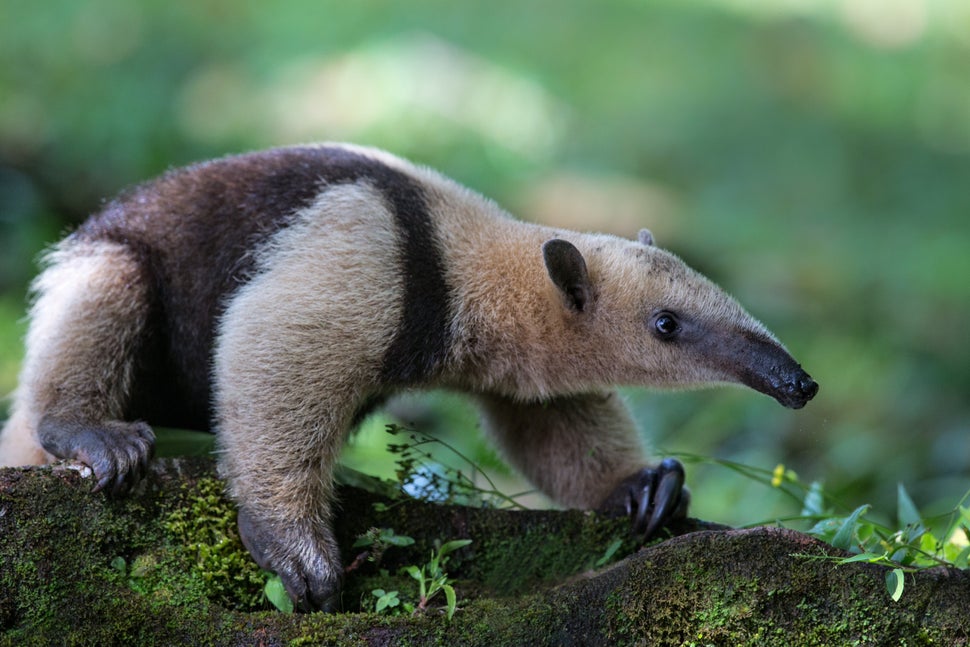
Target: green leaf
[
  {"x": 276, "y": 593},
  {"x": 610, "y": 551},
  {"x": 399, "y": 540},
  {"x": 414, "y": 572},
  {"x": 895, "y": 580},
  {"x": 825, "y": 529},
  {"x": 843, "y": 538},
  {"x": 386, "y": 600},
  {"x": 450, "y": 599},
  {"x": 863, "y": 557},
  {"x": 906, "y": 511},
  {"x": 453, "y": 545},
  {"x": 118, "y": 563}
]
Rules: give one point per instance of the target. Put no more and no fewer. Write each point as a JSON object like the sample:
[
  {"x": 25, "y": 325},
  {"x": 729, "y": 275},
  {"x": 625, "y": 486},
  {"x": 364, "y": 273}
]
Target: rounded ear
[
  {"x": 567, "y": 269},
  {"x": 645, "y": 237}
]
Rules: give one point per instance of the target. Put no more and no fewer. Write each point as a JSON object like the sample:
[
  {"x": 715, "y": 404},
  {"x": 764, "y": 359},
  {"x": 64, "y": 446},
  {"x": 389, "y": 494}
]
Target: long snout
[{"x": 765, "y": 366}]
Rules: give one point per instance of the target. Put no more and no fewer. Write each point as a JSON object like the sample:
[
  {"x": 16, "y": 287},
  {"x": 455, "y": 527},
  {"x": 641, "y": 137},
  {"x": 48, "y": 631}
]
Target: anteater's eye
[{"x": 665, "y": 325}]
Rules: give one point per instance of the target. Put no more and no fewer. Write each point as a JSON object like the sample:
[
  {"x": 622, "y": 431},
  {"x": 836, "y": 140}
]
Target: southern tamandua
[{"x": 278, "y": 296}]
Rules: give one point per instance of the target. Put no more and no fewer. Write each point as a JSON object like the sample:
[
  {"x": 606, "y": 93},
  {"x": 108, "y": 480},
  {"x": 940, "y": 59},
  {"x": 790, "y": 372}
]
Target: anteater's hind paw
[{"x": 117, "y": 452}]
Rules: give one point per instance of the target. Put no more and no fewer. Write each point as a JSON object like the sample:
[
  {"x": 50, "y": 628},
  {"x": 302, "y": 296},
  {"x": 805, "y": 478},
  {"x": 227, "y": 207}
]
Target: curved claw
[
  {"x": 666, "y": 498},
  {"x": 651, "y": 497},
  {"x": 643, "y": 508}
]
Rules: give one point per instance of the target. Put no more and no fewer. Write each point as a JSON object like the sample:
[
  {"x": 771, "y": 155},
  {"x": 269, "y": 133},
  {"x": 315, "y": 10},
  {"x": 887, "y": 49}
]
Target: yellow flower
[{"x": 778, "y": 475}]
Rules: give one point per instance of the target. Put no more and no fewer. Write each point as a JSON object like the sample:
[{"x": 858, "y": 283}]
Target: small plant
[
  {"x": 376, "y": 540},
  {"x": 910, "y": 548},
  {"x": 432, "y": 578},
  {"x": 385, "y": 600},
  {"x": 379, "y": 540}
]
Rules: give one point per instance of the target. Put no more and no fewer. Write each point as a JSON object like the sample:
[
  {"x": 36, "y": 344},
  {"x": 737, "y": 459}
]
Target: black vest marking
[{"x": 422, "y": 340}]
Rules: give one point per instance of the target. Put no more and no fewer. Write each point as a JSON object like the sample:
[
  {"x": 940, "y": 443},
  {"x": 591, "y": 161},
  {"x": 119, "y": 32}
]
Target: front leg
[
  {"x": 283, "y": 405},
  {"x": 117, "y": 452},
  {"x": 584, "y": 451},
  {"x": 278, "y": 448}
]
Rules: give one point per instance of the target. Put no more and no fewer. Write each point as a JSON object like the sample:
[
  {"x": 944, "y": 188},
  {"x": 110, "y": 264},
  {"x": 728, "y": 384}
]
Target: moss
[
  {"x": 91, "y": 570},
  {"x": 67, "y": 592},
  {"x": 510, "y": 560},
  {"x": 202, "y": 526}
]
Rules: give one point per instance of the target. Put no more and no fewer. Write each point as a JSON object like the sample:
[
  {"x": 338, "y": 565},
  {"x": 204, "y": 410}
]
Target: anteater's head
[{"x": 652, "y": 320}]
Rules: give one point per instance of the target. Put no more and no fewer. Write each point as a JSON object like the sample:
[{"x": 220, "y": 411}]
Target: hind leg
[
  {"x": 86, "y": 327},
  {"x": 584, "y": 452}
]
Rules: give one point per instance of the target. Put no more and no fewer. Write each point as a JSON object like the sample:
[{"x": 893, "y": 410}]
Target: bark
[{"x": 82, "y": 568}]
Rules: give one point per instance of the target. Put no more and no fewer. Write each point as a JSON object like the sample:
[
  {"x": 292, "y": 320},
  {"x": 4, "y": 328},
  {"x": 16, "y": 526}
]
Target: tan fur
[
  {"x": 89, "y": 307},
  {"x": 593, "y": 434}
]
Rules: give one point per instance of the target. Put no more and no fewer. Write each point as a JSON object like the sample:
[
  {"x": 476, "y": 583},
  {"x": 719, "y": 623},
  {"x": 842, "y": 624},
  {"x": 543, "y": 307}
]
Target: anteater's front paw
[
  {"x": 117, "y": 452},
  {"x": 652, "y": 497},
  {"x": 307, "y": 562}
]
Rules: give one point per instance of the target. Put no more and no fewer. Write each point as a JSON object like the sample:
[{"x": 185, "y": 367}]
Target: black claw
[
  {"x": 643, "y": 509},
  {"x": 650, "y": 497},
  {"x": 667, "y": 495}
]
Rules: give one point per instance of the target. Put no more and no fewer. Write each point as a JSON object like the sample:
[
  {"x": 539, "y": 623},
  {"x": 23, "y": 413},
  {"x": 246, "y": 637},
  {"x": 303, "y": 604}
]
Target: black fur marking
[
  {"x": 195, "y": 229},
  {"x": 423, "y": 337}
]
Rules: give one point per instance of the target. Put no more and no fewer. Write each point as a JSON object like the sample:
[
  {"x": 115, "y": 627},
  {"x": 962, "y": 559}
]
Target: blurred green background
[{"x": 812, "y": 157}]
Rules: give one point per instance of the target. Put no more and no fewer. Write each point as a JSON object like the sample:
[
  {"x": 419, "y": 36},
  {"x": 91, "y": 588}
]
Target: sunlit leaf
[
  {"x": 895, "y": 580},
  {"x": 276, "y": 594}
]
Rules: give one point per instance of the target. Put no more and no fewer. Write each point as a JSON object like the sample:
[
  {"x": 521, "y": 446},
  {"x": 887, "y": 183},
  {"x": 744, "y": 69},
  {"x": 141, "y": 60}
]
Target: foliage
[
  {"x": 910, "y": 547},
  {"x": 432, "y": 578},
  {"x": 916, "y": 542}
]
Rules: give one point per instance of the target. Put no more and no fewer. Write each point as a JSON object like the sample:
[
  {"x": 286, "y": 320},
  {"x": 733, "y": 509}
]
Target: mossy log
[{"x": 163, "y": 566}]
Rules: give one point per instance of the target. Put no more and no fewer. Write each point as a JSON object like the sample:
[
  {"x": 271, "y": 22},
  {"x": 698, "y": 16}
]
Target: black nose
[{"x": 800, "y": 390}]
